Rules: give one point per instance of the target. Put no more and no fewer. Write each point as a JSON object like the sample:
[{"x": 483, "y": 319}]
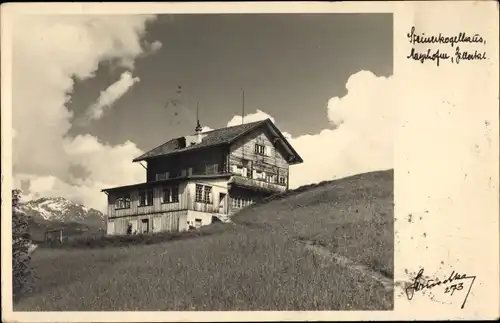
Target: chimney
[{"x": 198, "y": 132}]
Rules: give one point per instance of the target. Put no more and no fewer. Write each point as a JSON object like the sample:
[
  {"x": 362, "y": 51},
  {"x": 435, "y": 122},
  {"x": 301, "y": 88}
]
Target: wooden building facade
[{"x": 191, "y": 179}]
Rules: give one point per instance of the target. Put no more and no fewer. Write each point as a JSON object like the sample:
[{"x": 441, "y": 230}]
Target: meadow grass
[{"x": 256, "y": 264}]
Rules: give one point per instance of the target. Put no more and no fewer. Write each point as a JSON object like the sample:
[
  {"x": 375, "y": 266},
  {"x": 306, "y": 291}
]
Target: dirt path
[{"x": 365, "y": 271}]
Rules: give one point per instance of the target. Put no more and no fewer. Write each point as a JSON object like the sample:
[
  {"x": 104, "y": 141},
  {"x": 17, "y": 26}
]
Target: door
[
  {"x": 157, "y": 224},
  {"x": 135, "y": 229},
  {"x": 145, "y": 225},
  {"x": 111, "y": 228},
  {"x": 222, "y": 202}
]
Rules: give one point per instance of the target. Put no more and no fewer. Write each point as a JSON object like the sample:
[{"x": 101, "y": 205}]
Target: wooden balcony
[{"x": 256, "y": 184}]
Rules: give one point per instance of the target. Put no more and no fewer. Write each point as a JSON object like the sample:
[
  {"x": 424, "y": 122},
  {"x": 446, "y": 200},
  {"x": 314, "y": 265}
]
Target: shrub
[{"x": 21, "y": 272}]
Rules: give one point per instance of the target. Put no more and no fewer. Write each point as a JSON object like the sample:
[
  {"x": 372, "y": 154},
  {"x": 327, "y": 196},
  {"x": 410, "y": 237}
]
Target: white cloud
[
  {"x": 360, "y": 139},
  {"x": 109, "y": 96},
  {"x": 252, "y": 117},
  {"x": 256, "y": 116},
  {"x": 47, "y": 52},
  {"x": 155, "y": 46}
]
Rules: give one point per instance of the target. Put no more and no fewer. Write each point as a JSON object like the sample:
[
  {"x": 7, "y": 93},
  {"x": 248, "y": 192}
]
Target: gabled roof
[{"x": 214, "y": 138}]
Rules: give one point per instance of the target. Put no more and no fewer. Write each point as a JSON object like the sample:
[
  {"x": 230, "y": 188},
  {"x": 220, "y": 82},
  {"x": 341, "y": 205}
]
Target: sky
[{"x": 90, "y": 93}]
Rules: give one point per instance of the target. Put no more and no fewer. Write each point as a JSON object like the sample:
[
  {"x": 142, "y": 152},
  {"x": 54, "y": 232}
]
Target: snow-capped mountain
[{"x": 61, "y": 210}]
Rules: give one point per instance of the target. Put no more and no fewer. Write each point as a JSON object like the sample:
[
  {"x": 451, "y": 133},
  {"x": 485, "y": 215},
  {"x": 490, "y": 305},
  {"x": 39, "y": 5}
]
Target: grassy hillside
[
  {"x": 37, "y": 228},
  {"x": 260, "y": 263}
]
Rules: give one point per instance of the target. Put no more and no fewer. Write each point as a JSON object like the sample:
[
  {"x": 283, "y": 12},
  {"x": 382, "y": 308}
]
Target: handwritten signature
[{"x": 453, "y": 283}]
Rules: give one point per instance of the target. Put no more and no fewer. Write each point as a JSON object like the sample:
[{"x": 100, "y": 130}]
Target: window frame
[
  {"x": 260, "y": 149},
  {"x": 125, "y": 198},
  {"x": 148, "y": 197},
  {"x": 173, "y": 194},
  {"x": 201, "y": 192},
  {"x": 207, "y": 194}
]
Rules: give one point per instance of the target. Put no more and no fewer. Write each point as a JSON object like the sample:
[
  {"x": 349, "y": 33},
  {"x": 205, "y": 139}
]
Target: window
[
  {"x": 240, "y": 170},
  {"x": 170, "y": 194},
  {"x": 260, "y": 149},
  {"x": 203, "y": 193},
  {"x": 199, "y": 193},
  {"x": 259, "y": 175},
  {"x": 166, "y": 196},
  {"x": 122, "y": 202},
  {"x": 282, "y": 180},
  {"x": 270, "y": 178},
  {"x": 240, "y": 202},
  {"x": 207, "y": 197},
  {"x": 175, "y": 194},
  {"x": 150, "y": 197},
  {"x": 146, "y": 197},
  {"x": 142, "y": 198}
]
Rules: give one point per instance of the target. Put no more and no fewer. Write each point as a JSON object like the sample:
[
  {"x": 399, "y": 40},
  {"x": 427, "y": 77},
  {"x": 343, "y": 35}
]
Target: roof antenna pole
[
  {"x": 198, "y": 126},
  {"x": 242, "y": 105},
  {"x": 242, "y": 118}
]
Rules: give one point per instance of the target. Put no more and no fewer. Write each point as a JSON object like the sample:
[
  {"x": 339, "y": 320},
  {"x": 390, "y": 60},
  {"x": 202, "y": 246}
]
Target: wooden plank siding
[
  {"x": 158, "y": 222},
  {"x": 196, "y": 160},
  {"x": 244, "y": 150},
  {"x": 156, "y": 207},
  {"x": 218, "y": 186}
]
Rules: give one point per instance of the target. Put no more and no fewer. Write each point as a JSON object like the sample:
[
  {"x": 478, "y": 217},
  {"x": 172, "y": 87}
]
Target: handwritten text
[
  {"x": 454, "y": 282},
  {"x": 439, "y": 55}
]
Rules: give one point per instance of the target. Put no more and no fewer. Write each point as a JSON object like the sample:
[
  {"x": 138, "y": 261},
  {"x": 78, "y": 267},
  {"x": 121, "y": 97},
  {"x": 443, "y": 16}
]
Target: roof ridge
[
  {"x": 246, "y": 127},
  {"x": 221, "y": 128}
]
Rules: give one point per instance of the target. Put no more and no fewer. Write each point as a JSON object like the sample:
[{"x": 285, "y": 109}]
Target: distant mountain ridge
[
  {"x": 60, "y": 209},
  {"x": 47, "y": 213}
]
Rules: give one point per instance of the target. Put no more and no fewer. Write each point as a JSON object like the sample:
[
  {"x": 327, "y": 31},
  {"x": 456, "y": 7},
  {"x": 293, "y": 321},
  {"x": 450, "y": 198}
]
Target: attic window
[{"x": 260, "y": 149}]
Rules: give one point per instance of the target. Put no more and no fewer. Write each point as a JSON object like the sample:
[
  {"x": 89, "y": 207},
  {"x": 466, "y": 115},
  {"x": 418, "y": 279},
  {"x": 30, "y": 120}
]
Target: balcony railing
[{"x": 255, "y": 183}]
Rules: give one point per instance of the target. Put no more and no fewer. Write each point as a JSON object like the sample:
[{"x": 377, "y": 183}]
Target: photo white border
[{"x": 461, "y": 235}]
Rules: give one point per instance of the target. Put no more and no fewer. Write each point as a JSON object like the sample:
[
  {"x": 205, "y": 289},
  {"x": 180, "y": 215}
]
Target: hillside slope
[
  {"x": 260, "y": 263},
  {"x": 352, "y": 216}
]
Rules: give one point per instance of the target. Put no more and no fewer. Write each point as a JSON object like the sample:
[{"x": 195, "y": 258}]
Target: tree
[{"x": 21, "y": 272}]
